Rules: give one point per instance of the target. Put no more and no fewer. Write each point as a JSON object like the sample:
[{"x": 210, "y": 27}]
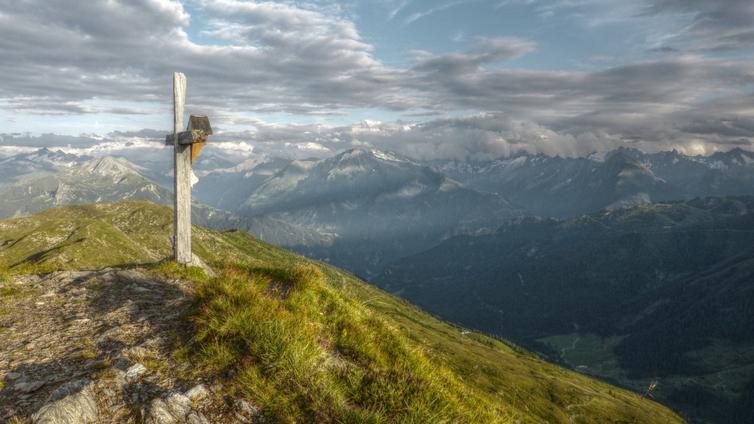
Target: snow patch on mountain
[
  {"x": 15, "y": 150},
  {"x": 345, "y": 171},
  {"x": 408, "y": 191},
  {"x": 304, "y": 164},
  {"x": 449, "y": 185},
  {"x": 310, "y": 145},
  {"x": 386, "y": 156}
]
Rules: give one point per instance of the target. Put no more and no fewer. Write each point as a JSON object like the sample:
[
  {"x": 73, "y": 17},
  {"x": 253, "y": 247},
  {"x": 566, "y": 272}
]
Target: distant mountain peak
[
  {"x": 734, "y": 158},
  {"x": 623, "y": 153},
  {"x": 109, "y": 166},
  {"x": 740, "y": 156},
  {"x": 353, "y": 153},
  {"x": 360, "y": 153}
]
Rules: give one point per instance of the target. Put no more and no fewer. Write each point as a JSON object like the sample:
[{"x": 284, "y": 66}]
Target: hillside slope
[
  {"x": 45, "y": 179},
  {"x": 661, "y": 291},
  {"x": 98, "y": 180},
  {"x": 299, "y": 340}
]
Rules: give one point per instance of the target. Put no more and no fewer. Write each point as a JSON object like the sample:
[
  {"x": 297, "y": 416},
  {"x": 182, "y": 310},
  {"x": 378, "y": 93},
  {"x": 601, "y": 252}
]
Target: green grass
[
  {"x": 174, "y": 270},
  {"x": 308, "y": 342},
  {"x": 304, "y": 352},
  {"x": 8, "y": 291}
]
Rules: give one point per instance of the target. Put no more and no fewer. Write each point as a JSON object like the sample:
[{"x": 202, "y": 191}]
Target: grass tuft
[
  {"x": 8, "y": 291},
  {"x": 30, "y": 267},
  {"x": 174, "y": 270}
]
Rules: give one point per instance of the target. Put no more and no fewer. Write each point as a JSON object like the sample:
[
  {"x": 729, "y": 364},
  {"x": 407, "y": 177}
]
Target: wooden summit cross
[{"x": 187, "y": 144}]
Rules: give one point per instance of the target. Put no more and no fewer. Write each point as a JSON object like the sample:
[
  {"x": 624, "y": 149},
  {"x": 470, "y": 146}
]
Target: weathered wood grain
[
  {"x": 200, "y": 123},
  {"x": 182, "y": 175},
  {"x": 186, "y": 137}
]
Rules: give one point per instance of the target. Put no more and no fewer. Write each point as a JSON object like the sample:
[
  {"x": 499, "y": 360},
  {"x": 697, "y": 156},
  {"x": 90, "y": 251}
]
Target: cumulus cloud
[
  {"x": 472, "y": 137},
  {"x": 484, "y": 136},
  {"x": 238, "y": 147},
  {"x": 490, "y": 135},
  {"x": 266, "y": 55},
  {"x": 13, "y": 150}
]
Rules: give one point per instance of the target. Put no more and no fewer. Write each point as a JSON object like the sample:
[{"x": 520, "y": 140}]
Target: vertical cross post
[{"x": 182, "y": 170}]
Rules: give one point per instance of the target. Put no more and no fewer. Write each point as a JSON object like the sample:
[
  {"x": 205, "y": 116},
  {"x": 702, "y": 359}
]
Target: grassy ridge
[
  {"x": 306, "y": 352},
  {"x": 309, "y": 342}
]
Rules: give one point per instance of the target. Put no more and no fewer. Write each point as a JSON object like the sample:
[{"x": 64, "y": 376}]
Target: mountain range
[
  {"x": 376, "y": 206},
  {"x": 47, "y": 179},
  {"x": 565, "y": 187},
  {"x": 364, "y": 208}
]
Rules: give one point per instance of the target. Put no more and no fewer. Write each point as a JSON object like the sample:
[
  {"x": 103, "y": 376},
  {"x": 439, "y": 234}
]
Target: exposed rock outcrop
[
  {"x": 95, "y": 347},
  {"x": 78, "y": 406}
]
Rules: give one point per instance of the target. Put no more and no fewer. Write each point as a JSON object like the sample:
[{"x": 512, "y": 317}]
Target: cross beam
[{"x": 187, "y": 137}]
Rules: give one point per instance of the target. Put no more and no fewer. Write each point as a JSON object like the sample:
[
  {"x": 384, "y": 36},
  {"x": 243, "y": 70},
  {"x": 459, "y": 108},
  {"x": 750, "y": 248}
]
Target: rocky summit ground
[{"x": 96, "y": 347}]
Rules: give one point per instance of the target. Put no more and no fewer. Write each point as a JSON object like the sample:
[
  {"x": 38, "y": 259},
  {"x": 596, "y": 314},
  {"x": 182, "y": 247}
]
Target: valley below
[{"x": 656, "y": 293}]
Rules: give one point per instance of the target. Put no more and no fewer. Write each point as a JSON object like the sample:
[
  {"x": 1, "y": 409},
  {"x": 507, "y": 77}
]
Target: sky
[{"x": 434, "y": 79}]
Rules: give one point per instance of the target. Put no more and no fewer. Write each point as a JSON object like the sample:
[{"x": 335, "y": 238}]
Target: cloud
[
  {"x": 486, "y": 51},
  {"x": 15, "y": 150},
  {"x": 476, "y": 137},
  {"x": 650, "y": 100},
  {"x": 47, "y": 140},
  {"x": 41, "y": 105},
  {"x": 688, "y": 25},
  {"x": 431, "y": 11},
  {"x": 244, "y": 57},
  {"x": 711, "y": 25},
  {"x": 593, "y": 13},
  {"x": 395, "y": 8},
  {"x": 143, "y": 133},
  {"x": 259, "y": 56},
  {"x": 238, "y": 147}
]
